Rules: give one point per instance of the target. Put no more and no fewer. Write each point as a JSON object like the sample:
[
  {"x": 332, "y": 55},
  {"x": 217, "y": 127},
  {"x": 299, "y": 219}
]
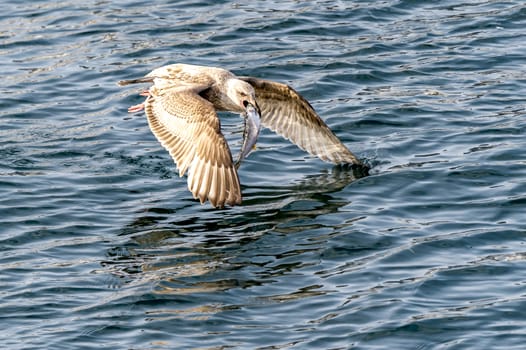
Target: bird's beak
[{"x": 252, "y": 107}]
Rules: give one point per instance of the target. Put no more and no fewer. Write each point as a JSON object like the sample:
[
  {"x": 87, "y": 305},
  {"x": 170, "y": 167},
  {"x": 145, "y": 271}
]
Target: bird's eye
[{"x": 245, "y": 103}]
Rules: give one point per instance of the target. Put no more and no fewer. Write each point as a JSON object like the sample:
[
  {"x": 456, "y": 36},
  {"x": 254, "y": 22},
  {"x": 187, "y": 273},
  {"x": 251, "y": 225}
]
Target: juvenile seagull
[{"x": 182, "y": 105}]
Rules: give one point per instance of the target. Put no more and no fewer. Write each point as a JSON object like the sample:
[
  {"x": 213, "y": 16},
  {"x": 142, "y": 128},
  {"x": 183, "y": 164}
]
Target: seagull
[{"x": 181, "y": 107}]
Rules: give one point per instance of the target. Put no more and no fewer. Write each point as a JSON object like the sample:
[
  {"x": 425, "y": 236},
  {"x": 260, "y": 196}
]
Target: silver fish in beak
[{"x": 251, "y": 132}]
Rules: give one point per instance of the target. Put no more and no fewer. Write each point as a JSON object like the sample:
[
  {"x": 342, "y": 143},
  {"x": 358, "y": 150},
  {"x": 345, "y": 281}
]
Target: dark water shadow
[{"x": 196, "y": 248}]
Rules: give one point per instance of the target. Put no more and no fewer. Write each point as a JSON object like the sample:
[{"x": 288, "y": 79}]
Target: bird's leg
[
  {"x": 139, "y": 107},
  {"x": 136, "y": 108}
]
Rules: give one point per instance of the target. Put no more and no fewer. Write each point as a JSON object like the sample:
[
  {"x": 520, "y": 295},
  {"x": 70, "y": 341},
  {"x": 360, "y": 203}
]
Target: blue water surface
[{"x": 103, "y": 247}]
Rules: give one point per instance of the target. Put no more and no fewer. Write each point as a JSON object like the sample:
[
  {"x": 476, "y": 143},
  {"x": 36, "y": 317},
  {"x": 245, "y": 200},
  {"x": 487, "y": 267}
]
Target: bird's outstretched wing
[
  {"x": 286, "y": 112},
  {"x": 188, "y": 127}
]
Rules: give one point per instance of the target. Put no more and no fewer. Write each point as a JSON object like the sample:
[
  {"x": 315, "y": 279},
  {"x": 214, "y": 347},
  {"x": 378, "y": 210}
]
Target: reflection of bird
[{"x": 181, "y": 108}]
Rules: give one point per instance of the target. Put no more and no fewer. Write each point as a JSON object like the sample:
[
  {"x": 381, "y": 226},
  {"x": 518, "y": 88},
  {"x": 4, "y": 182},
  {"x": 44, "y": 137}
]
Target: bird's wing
[
  {"x": 188, "y": 127},
  {"x": 286, "y": 112},
  {"x": 177, "y": 74}
]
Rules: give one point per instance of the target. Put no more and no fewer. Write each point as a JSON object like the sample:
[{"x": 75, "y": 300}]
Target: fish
[{"x": 250, "y": 133}]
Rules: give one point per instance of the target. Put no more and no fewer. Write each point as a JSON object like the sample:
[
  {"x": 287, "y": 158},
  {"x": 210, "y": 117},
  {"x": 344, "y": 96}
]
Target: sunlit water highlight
[{"x": 102, "y": 246}]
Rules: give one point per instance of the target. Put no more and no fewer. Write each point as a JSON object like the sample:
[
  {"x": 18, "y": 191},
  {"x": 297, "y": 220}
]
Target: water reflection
[{"x": 193, "y": 249}]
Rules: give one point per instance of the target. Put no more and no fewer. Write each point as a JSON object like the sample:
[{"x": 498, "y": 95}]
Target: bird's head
[{"x": 242, "y": 94}]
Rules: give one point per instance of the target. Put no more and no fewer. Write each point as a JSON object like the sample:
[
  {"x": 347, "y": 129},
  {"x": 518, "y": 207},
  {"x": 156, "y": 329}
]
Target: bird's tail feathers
[{"x": 135, "y": 81}]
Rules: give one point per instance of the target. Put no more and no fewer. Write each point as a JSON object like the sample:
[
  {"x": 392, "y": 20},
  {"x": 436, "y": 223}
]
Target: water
[{"x": 102, "y": 246}]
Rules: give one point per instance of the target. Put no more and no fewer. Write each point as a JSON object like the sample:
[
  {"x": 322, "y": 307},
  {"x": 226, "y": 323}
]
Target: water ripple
[{"x": 102, "y": 245}]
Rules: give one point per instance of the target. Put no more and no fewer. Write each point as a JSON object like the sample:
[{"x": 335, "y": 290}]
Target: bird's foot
[
  {"x": 139, "y": 107},
  {"x": 136, "y": 108}
]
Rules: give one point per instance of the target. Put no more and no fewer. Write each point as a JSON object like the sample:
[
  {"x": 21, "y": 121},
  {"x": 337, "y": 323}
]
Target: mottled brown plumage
[
  {"x": 182, "y": 106},
  {"x": 287, "y": 113}
]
